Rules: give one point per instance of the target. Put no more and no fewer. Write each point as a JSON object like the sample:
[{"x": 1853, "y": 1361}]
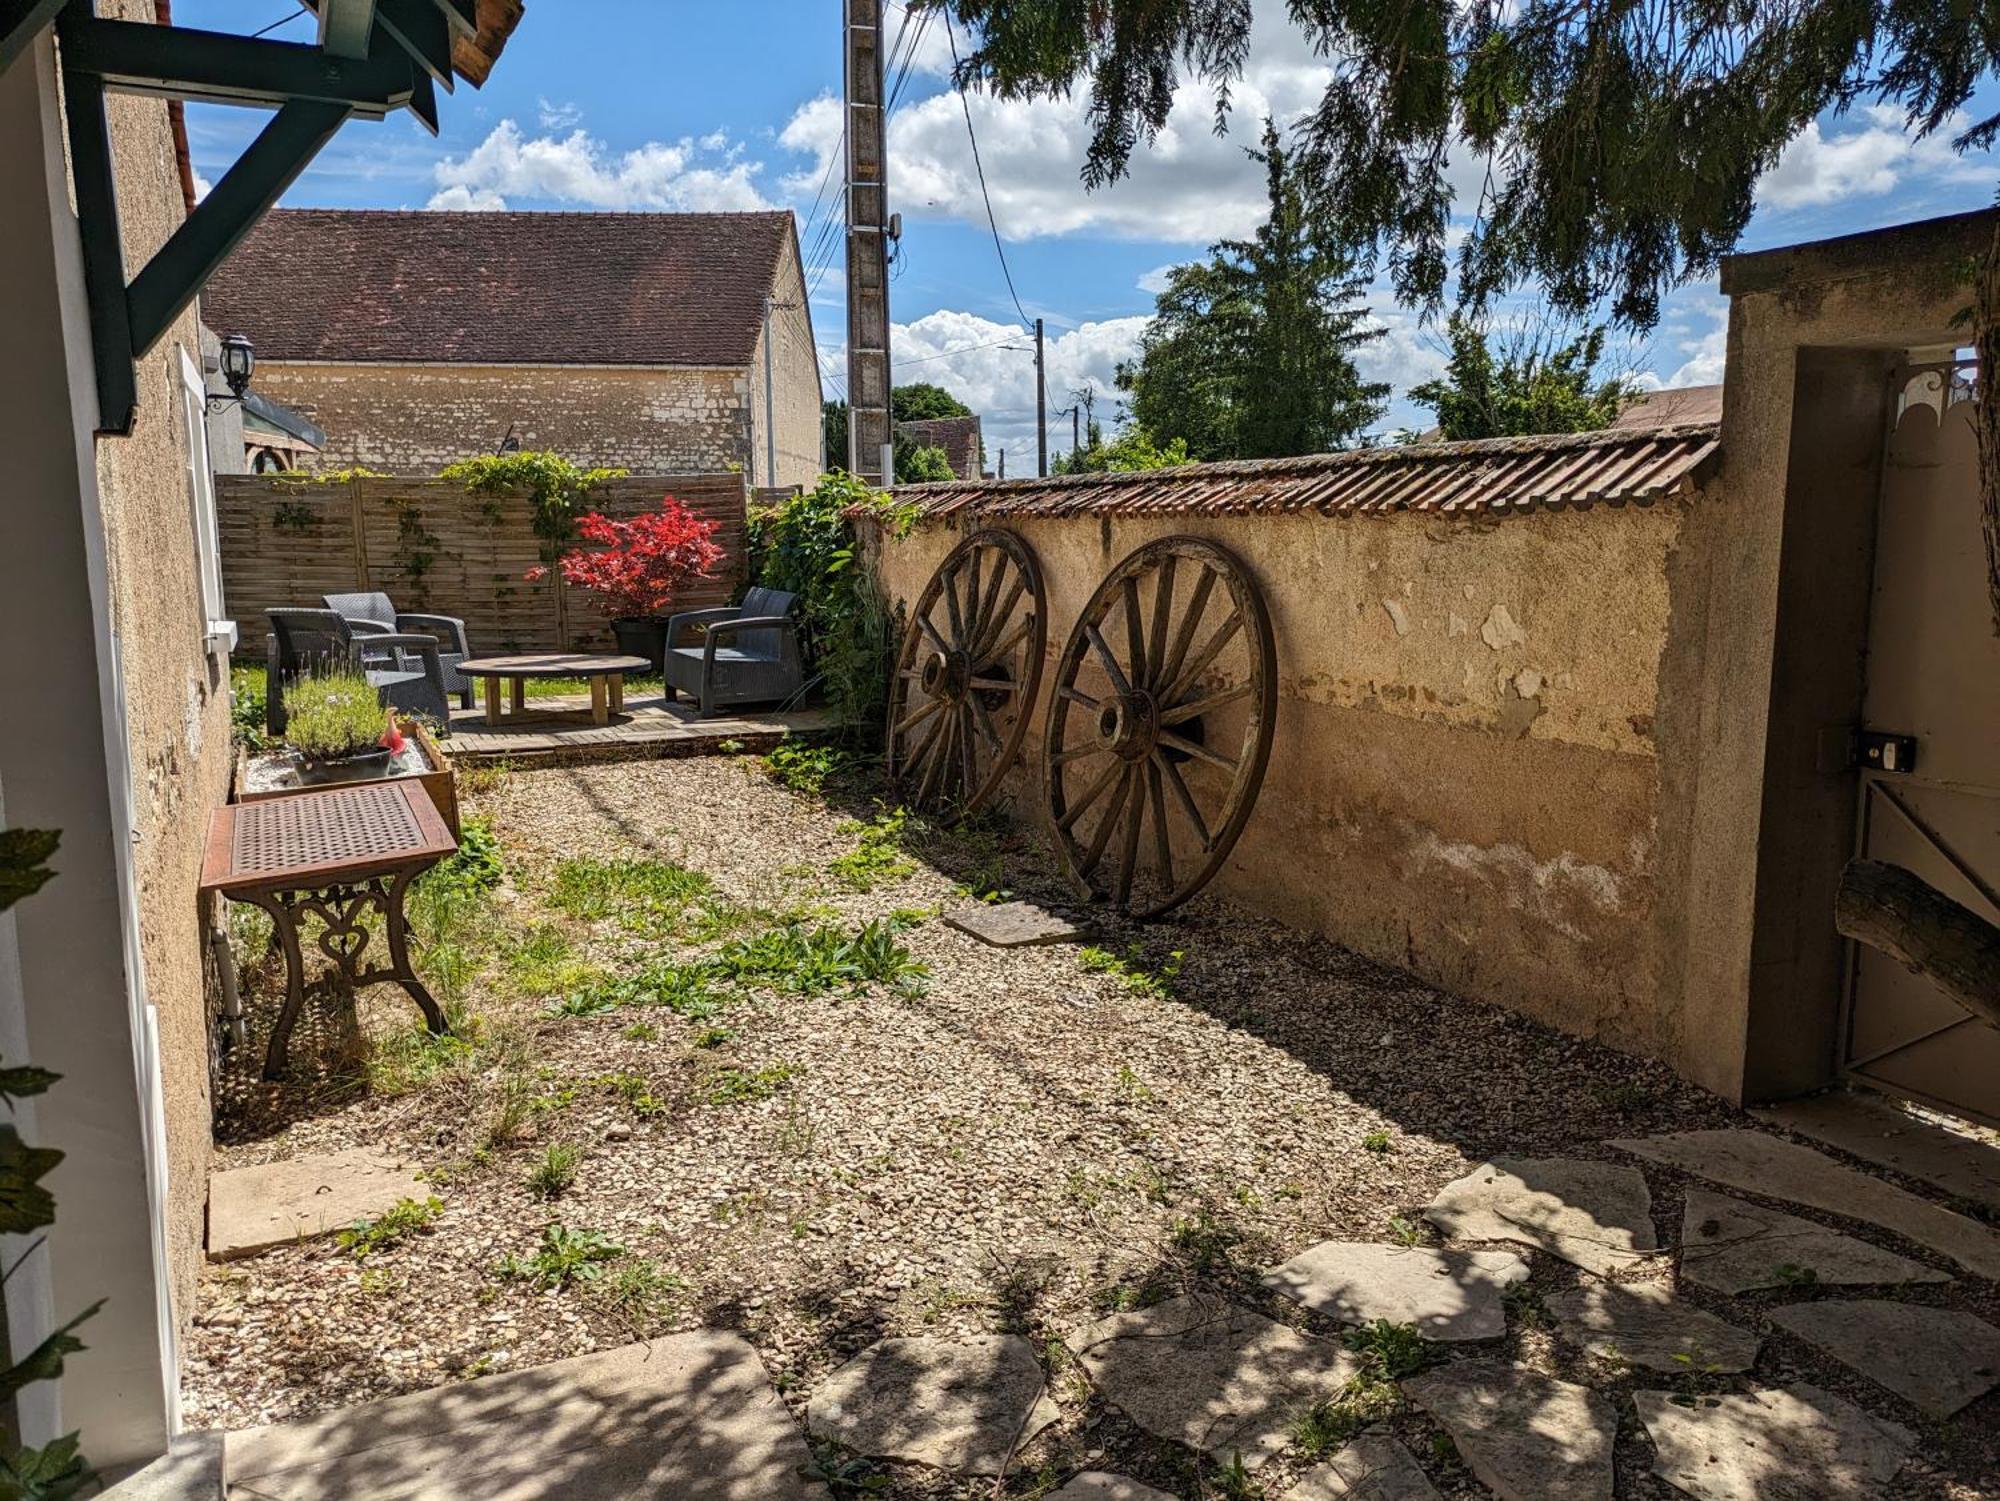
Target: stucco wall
[
  {"x": 415, "y": 419},
  {"x": 794, "y": 407},
  {"x": 1464, "y": 780}
]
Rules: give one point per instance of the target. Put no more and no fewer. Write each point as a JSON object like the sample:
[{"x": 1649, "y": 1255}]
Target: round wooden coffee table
[{"x": 606, "y": 675}]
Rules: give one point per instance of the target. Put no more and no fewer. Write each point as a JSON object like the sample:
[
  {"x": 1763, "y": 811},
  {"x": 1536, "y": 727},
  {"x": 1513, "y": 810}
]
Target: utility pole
[
  {"x": 1041, "y": 409},
  {"x": 869, "y": 439},
  {"x": 1075, "y": 429}
]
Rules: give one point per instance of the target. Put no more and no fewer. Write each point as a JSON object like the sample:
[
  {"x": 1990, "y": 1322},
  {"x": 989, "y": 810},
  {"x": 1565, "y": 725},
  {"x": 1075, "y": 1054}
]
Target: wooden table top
[
  {"x": 574, "y": 664},
  {"x": 311, "y": 839}
]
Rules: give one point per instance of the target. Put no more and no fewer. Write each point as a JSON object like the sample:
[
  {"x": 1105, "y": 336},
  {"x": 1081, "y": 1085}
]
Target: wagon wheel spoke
[
  {"x": 940, "y": 754},
  {"x": 984, "y": 719},
  {"x": 1110, "y": 820},
  {"x": 1090, "y": 794},
  {"x": 1163, "y": 838},
  {"x": 1077, "y": 753},
  {"x": 1171, "y": 774},
  {"x": 985, "y": 620},
  {"x": 1078, "y": 696},
  {"x": 1135, "y": 632},
  {"x": 1191, "y": 673},
  {"x": 966, "y": 752},
  {"x": 1190, "y": 622},
  {"x": 991, "y": 654},
  {"x": 951, "y": 609},
  {"x": 1195, "y": 708},
  {"x": 1128, "y": 857},
  {"x": 918, "y": 715},
  {"x": 1197, "y": 750},
  {"x": 1112, "y": 670},
  {"x": 930, "y": 630},
  {"x": 1163, "y": 606}
]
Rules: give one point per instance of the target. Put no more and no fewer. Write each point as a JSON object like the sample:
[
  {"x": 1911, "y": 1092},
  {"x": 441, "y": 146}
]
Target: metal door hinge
[{"x": 1881, "y": 750}]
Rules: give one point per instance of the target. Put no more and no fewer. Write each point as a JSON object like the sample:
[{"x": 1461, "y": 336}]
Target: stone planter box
[{"x": 279, "y": 773}]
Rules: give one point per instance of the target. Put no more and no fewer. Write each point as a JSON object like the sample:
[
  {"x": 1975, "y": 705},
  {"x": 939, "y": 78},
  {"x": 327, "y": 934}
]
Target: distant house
[
  {"x": 959, "y": 437},
  {"x": 1672, "y": 406},
  {"x": 660, "y": 343}
]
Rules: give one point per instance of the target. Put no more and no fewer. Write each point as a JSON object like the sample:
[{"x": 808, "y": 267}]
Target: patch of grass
[
  {"x": 636, "y": 1090},
  {"x": 710, "y": 1037},
  {"x": 545, "y": 962},
  {"x": 1131, "y": 971},
  {"x": 1523, "y": 1302},
  {"x": 564, "y": 1257},
  {"x": 1326, "y": 1427},
  {"x": 1131, "y": 1086},
  {"x": 1392, "y": 1351},
  {"x": 484, "y": 776},
  {"x": 877, "y": 858},
  {"x": 1408, "y": 1232},
  {"x": 1794, "y": 1277},
  {"x": 844, "y": 1474},
  {"x": 1203, "y": 1243},
  {"x": 555, "y": 1170},
  {"x": 735, "y": 1086},
  {"x": 687, "y": 989},
  {"x": 641, "y": 1032},
  {"x": 641, "y": 894},
  {"x": 806, "y": 767},
  {"x": 413, "y": 1057},
  {"x": 799, "y": 960},
  {"x": 640, "y": 1293},
  {"x": 406, "y": 1217},
  {"x": 1377, "y": 1142},
  {"x": 1233, "y": 1481},
  {"x": 593, "y": 1001}
]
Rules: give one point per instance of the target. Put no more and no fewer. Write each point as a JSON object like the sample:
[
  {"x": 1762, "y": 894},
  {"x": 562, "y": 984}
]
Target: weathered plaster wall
[
  {"x": 415, "y": 419},
  {"x": 175, "y": 694},
  {"x": 794, "y": 406},
  {"x": 1465, "y": 780}
]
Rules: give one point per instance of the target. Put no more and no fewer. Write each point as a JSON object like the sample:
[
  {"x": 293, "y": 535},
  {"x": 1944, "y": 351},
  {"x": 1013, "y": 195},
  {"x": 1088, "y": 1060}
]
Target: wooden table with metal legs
[{"x": 341, "y": 856}]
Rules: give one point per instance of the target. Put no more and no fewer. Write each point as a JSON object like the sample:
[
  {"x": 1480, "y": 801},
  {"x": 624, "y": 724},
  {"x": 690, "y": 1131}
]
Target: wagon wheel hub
[
  {"x": 946, "y": 675},
  {"x": 1129, "y": 725}
]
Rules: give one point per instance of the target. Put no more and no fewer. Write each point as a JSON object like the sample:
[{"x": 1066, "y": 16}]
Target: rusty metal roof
[{"x": 1483, "y": 477}]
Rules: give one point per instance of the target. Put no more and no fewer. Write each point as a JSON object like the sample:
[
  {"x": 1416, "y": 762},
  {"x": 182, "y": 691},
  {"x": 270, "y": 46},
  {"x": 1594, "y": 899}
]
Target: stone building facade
[{"x": 687, "y": 348}]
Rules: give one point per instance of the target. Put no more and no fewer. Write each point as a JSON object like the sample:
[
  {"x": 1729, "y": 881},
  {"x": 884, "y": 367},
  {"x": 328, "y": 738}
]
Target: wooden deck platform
[{"x": 649, "y": 728}]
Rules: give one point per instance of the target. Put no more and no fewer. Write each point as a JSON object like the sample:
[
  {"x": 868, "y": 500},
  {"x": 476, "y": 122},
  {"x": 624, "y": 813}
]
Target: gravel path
[{"x": 1024, "y": 1146}]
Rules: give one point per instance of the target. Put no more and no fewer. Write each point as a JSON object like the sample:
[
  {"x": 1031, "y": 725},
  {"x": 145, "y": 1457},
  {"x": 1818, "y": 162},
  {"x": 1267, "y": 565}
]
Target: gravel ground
[{"x": 1022, "y": 1146}]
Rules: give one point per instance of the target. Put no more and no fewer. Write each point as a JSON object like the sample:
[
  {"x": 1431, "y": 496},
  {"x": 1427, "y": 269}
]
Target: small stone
[
  {"x": 1211, "y": 1375},
  {"x": 1096, "y": 1485},
  {"x": 1372, "y": 1468},
  {"x": 953, "y": 1404},
  {"x": 1648, "y": 1326},
  {"x": 619, "y": 1132},
  {"x": 1526, "y": 1436},
  {"x": 1012, "y": 925},
  {"x": 1795, "y": 1444},
  {"x": 1734, "y": 1246},
  {"x": 1935, "y": 1358},
  {"x": 252, "y": 1209},
  {"x": 1448, "y": 1295},
  {"x": 1595, "y": 1214}
]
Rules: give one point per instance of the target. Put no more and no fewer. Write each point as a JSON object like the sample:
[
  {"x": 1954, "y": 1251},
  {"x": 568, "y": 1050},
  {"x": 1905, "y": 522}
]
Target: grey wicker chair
[
  {"x": 406, "y": 674},
  {"x": 749, "y": 654},
  {"x": 374, "y": 615}
]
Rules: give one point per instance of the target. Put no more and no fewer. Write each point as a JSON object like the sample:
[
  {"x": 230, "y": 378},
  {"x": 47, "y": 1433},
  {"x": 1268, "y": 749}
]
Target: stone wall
[
  {"x": 415, "y": 419},
  {"x": 1465, "y": 780},
  {"x": 795, "y": 393}
]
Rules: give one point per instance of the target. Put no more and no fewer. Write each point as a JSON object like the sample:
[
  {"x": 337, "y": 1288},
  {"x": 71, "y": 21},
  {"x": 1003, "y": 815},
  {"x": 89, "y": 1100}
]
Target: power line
[
  {"x": 968, "y": 349},
  {"x": 978, "y": 166}
]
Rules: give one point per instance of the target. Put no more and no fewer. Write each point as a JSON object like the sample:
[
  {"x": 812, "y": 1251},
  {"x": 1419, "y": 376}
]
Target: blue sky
[{"x": 673, "y": 104}]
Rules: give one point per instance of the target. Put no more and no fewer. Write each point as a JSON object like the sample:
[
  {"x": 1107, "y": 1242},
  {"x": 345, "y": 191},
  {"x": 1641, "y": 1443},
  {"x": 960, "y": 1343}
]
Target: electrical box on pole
[{"x": 869, "y": 437}]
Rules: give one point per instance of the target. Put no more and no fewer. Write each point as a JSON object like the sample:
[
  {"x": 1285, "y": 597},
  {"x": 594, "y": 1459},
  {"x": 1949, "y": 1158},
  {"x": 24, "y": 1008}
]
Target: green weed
[
  {"x": 1377, "y": 1142},
  {"x": 639, "y": 1292},
  {"x": 1392, "y": 1351},
  {"x": 641, "y": 894},
  {"x": 1130, "y": 970},
  {"x": 554, "y": 1171},
  {"x": 364, "y": 1238},
  {"x": 733, "y": 1086},
  {"x": 565, "y": 1256},
  {"x": 805, "y": 767},
  {"x": 641, "y": 1032},
  {"x": 877, "y": 857},
  {"x": 811, "y": 961},
  {"x": 1203, "y": 1243},
  {"x": 593, "y": 1001},
  {"x": 545, "y": 962}
]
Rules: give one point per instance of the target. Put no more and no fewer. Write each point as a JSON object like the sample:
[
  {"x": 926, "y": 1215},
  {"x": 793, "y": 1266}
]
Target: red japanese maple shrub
[{"x": 641, "y": 564}]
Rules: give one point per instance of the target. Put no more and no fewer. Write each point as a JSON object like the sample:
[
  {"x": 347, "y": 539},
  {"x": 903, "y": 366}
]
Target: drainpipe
[
  {"x": 163, "y": 15},
  {"x": 770, "y": 417}
]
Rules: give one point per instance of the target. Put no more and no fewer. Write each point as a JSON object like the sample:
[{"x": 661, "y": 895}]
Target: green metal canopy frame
[{"x": 372, "y": 57}]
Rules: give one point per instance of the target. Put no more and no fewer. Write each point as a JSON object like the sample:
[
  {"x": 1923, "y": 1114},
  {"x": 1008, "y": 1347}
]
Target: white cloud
[
  {"x": 201, "y": 187},
  {"x": 564, "y": 116},
  {"x": 707, "y": 175},
  {"x": 1704, "y": 354},
  {"x": 1154, "y": 282},
  {"x": 1818, "y": 168}
]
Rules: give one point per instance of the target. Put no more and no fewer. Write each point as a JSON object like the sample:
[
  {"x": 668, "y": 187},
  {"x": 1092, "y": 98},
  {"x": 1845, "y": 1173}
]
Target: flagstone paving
[
  {"x": 686, "y": 1415},
  {"x": 1012, "y": 925},
  {"x": 252, "y": 1209},
  {"x": 1880, "y": 1132},
  {"x": 1096, "y": 1485},
  {"x": 1528, "y": 1437},
  {"x": 1938, "y": 1359},
  {"x": 1211, "y": 1374},
  {"x": 1732, "y": 1246},
  {"x": 1595, "y": 1214},
  {"x": 1761, "y": 1164},
  {"x": 1448, "y": 1295},
  {"x": 962, "y": 1404},
  {"x": 1373, "y": 1468},
  {"x": 1648, "y": 1326},
  {"x": 1794, "y": 1444}
]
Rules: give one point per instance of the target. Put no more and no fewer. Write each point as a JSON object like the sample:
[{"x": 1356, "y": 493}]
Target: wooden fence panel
[{"x": 430, "y": 545}]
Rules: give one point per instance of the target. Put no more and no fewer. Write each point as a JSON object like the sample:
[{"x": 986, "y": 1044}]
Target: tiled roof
[
  {"x": 1486, "y": 477},
  {"x": 500, "y": 288}
]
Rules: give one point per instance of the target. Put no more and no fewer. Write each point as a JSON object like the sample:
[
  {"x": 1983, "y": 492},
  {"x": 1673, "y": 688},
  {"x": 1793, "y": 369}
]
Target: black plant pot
[{"x": 643, "y": 636}]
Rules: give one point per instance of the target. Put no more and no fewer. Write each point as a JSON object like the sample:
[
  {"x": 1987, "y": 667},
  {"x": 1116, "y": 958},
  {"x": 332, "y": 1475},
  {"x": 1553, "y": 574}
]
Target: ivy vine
[
  {"x": 555, "y": 485},
  {"x": 57, "y": 1470}
]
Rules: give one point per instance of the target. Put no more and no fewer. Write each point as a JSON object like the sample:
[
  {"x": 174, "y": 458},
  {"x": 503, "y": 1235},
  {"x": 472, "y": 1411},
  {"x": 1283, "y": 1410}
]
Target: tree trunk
[
  {"x": 1986, "y": 416},
  {"x": 1957, "y": 950}
]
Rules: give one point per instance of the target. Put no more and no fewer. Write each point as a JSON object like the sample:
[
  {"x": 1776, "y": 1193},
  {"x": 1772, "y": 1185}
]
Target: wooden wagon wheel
[
  {"x": 1163, "y": 720},
  {"x": 968, "y": 672}
]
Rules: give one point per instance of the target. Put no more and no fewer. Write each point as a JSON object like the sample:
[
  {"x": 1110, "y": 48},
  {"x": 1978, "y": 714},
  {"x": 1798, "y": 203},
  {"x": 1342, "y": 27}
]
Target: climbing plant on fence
[
  {"x": 57, "y": 1470},
  {"x": 553, "y": 483},
  {"x": 806, "y": 545}
]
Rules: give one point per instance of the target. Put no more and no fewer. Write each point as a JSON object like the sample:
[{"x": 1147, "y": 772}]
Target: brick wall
[{"x": 415, "y": 419}]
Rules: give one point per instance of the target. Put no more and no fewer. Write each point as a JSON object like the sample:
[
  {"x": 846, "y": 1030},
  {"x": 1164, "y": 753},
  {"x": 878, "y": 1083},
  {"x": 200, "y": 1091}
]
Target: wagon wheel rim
[
  {"x": 1159, "y": 728},
  {"x": 967, "y": 673}
]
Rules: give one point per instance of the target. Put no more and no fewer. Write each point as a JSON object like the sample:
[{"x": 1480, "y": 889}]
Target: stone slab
[
  {"x": 1097, "y": 1485},
  {"x": 1794, "y": 1444},
  {"x": 1012, "y": 925},
  {"x": 1757, "y": 1163},
  {"x": 962, "y": 1404},
  {"x": 1448, "y": 1295},
  {"x": 688, "y": 1415},
  {"x": 1734, "y": 1246},
  {"x": 1648, "y": 1326},
  {"x": 1372, "y": 1468},
  {"x": 252, "y": 1209},
  {"x": 1877, "y": 1131},
  {"x": 1595, "y": 1214},
  {"x": 190, "y": 1470},
  {"x": 1210, "y": 1374},
  {"x": 1527, "y": 1437},
  {"x": 1935, "y": 1358}
]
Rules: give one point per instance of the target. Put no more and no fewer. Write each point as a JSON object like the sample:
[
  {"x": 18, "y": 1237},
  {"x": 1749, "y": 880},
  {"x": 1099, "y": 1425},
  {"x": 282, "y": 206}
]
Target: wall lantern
[{"x": 239, "y": 359}]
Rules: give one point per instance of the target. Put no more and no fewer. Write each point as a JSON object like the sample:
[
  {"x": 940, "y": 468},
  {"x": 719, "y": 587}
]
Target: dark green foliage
[
  {"x": 476, "y": 866},
  {"x": 1250, "y": 353},
  {"x": 555, "y": 485},
  {"x": 24, "y": 862},
  {"x": 1529, "y": 385},
  {"x": 919, "y": 401},
  {"x": 1131, "y": 450},
  {"x": 922, "y": 465},
  {"x": 1632, "y": 136}
]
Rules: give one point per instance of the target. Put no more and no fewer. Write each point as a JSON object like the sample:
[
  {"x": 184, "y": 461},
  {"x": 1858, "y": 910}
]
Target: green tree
[
  {"x": 921, "y": 401},
  {"x": 1250, "y": 353},
  {"x": 1133, "y": 449},
  {"x": 1531, "y": 384},
  {"x": 922, "y": 463},
  {"x": 833, "y": 432}
]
